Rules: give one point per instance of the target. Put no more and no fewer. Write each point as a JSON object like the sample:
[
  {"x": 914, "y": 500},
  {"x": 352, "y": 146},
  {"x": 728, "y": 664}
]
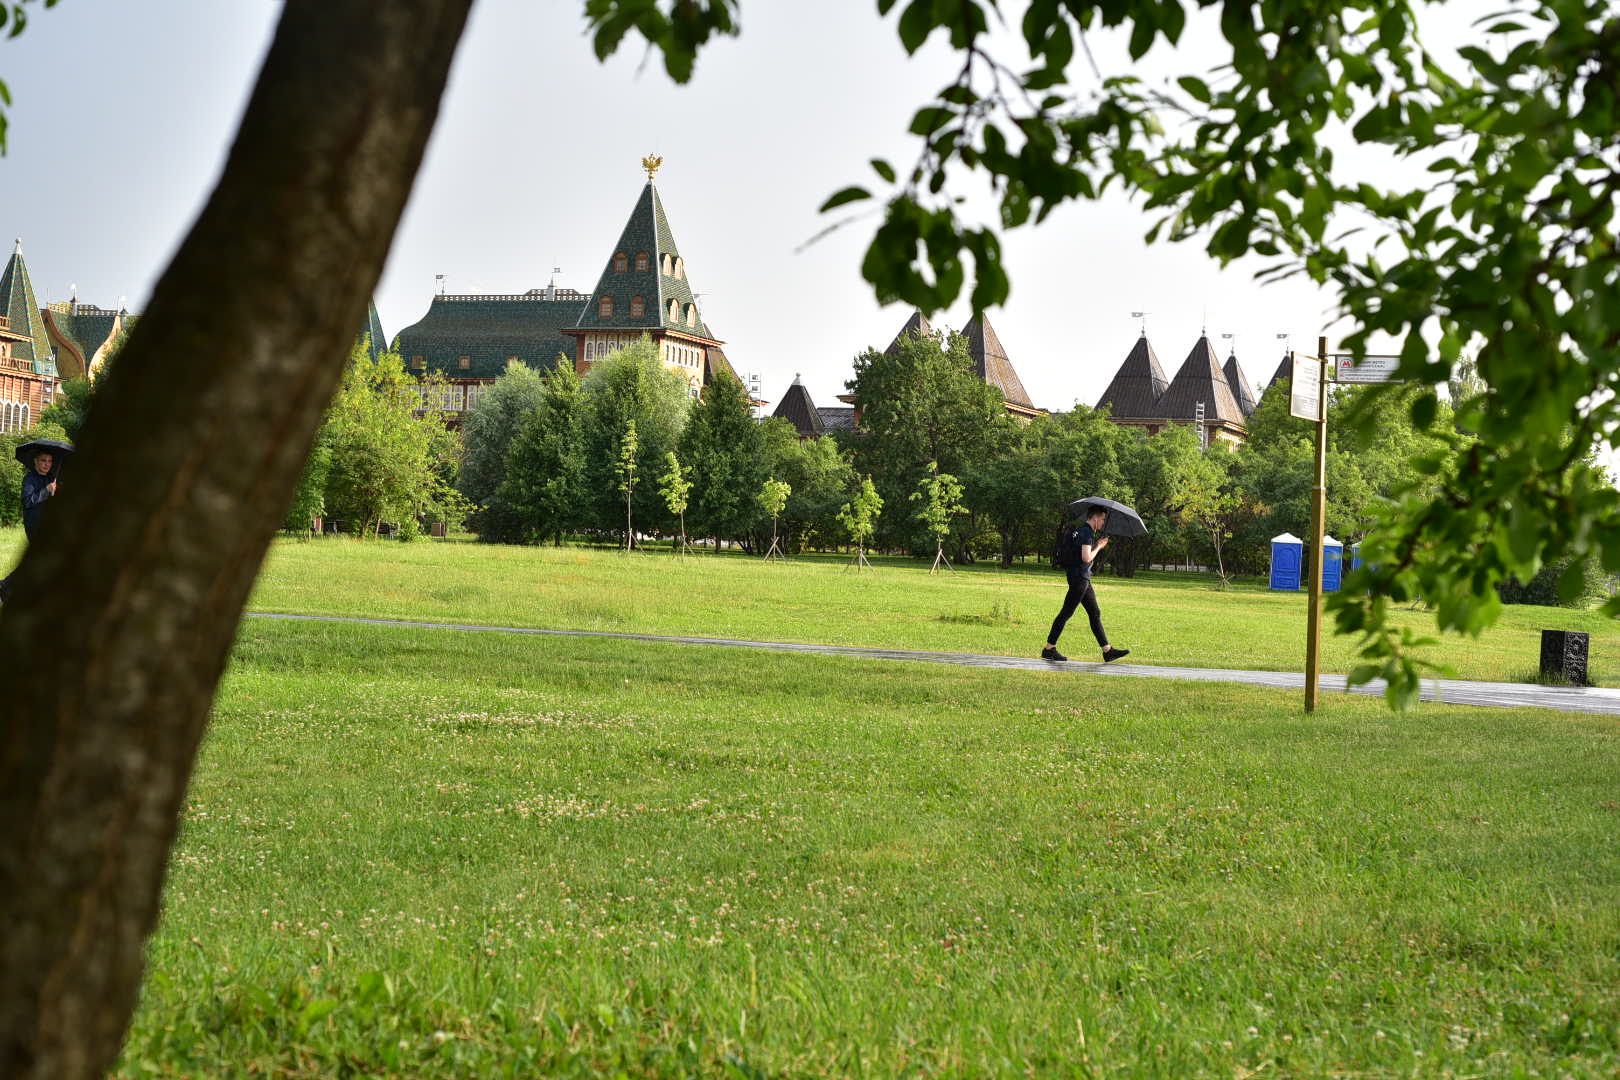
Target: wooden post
[{"x": 1313, "y": 617}]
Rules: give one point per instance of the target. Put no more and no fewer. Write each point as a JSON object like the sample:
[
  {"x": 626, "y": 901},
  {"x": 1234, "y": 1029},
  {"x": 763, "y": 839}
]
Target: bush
[{"x": 1543, "y": 588}]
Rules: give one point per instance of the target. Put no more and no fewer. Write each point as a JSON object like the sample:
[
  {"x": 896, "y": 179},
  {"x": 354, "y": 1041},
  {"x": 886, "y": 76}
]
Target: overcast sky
[{"x": 123, "y": 113}]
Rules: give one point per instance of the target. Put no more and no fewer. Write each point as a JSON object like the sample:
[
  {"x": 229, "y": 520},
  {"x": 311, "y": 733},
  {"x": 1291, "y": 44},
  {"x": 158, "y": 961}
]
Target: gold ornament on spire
[{"x": 651, "y": 163}]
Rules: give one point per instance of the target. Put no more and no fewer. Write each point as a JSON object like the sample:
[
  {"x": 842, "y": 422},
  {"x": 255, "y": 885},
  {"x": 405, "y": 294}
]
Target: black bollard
[{"x": 1563, "y": 656}]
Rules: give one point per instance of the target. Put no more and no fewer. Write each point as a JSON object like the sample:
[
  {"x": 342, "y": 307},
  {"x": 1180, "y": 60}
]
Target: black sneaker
[
  {"x": 1051, "y": 653},
  {"x": 1114, "y": 654}
]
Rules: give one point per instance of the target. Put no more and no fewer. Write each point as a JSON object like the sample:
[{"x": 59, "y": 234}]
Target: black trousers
[{"x": 1080, "y": 595}]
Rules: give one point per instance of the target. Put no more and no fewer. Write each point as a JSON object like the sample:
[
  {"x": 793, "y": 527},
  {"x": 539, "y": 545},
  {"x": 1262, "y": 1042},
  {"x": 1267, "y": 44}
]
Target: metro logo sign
[{"x": 1368, "y": 369}]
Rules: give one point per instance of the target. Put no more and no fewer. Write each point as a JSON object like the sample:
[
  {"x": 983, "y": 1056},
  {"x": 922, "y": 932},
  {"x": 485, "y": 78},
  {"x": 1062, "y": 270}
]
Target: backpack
[{"x": 1067, "y": 553}]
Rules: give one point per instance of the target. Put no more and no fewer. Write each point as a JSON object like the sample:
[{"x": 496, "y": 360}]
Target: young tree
[
  {"x": 940, "y": 498},
  {"x": 859, "y": 518},
  {"x": 488, "y": 433},
  {"x": 627, "y": 480},
  {"x": 384, "y": 457},
  {"x": 676, "y": 489},
  {"x": 920, "y": 403},
  {"x": 819, "y": 473},
  {"x": 773, "y": 496},
  {"x": 309, "y": 499},
  {"x": 631, "y": 384},
  {"x": 544, "y": 473},
  {"x": 1207, "y": 504},
  {"x": 722, "y": 448}
]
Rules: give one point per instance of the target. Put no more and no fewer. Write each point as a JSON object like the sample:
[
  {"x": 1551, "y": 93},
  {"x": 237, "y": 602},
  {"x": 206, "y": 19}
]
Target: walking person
[
  {"x": 41, "y": 459},
  {"x": 1078, "y": 547}
]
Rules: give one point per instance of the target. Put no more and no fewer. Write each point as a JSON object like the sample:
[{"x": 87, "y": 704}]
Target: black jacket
[{"x": 35, "y": 490}]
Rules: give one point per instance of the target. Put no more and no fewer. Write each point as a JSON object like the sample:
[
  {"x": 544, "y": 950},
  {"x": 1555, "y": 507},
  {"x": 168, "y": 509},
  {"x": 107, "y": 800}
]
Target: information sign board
[
  {"x": 1369, "y": 369},
  {"x": 1305, "y": 393}
]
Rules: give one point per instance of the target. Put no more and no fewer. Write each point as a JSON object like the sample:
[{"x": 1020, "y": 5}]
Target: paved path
[{"x": 1451, "y": 691}]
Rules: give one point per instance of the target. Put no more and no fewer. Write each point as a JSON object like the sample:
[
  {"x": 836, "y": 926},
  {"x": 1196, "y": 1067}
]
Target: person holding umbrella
[
  {"x": 1079, "y": 544},
  {"x": 42, "y": 458}
]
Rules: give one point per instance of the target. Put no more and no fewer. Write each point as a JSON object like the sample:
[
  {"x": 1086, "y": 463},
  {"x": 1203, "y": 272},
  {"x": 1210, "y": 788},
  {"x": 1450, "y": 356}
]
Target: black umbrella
[
  {"x": 34, "y": 447},
  {"x": 1122, "y": 520}
]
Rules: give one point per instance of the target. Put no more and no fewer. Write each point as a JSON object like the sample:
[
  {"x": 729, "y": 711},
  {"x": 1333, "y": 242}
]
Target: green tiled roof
[
  {"x": 21, "y": 310},
  {"x": 373, "y": 326},
  {"x": 488, "y": 329},
  {"x": 647, "y": 231}
]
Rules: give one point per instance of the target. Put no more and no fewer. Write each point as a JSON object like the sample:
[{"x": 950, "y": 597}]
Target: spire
[
  {"x": 373, "y": 329},
  {"x": 645, "y": 264},
  {"x": 990, "y": 361},
  {"x": 1284, "y": 372},
  {"x": 916, "y": 326},
  {"x": 1200, "y": 380},
  {"x": 1138, "y": 384},
  {"x": 797, "y": 409},
  {"x": 20, "y": 308},
  {"x": 1239, "y": 384}
]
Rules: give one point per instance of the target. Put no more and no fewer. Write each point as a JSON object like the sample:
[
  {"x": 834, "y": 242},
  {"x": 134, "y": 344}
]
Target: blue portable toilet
[
  {"x": 1286, "y": 552},
  {"x": 1332, "y": 564}
]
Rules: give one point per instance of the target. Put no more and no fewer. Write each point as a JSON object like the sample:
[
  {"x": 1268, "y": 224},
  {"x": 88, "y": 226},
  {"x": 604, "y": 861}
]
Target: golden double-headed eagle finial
[{"x": 651, "y": 163}]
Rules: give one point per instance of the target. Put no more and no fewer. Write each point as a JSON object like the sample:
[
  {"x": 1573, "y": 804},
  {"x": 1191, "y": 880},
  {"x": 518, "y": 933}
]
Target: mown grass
[
  {"x": 418, "y": 853},
  {"x": 1174, "y": 619}
]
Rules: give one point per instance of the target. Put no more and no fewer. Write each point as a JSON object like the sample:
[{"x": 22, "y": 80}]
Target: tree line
[{"x": 545, "y": 459}]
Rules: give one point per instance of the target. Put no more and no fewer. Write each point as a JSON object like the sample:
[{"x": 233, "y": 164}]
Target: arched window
[
  {"x": 620, "y": 262},
  {"x": 674, "y": 311},
  {"x": 691, "y": 314},
  {"x": 680, "y": 268},
  {"x": 605, "y": 308},
  {"x": 638, "y": 307},
  {"x": 642, "y": 262},
  {"x": 667, "y": 265}
]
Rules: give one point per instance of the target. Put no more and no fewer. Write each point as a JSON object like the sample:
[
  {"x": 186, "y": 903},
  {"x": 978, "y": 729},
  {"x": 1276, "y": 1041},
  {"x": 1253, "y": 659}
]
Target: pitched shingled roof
[
  {"x": 797, "y": 409},
  {"x": 1138, "y": 384},
  {"x": 916, "y": 326},
  {"x": 647, "y": 231},
  {"x": 21, "y": 310},
  {"x": 990, "y": 361},
  {"x": 1200, "y": 380},
  {"x": 836, "y": 418},
  {"x": 488, "y": 329},
  {"x": 1239, "y": 384},
  {"x": 80, "y": 332},
  {"x": 1284, "y": 372},
  {"x": 373, "y": 329}
]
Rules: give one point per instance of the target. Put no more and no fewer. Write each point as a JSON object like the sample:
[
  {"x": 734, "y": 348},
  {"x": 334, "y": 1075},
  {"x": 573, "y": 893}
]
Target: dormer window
[
  {"x": 667, "y": 265},
  {"x": 418, "y": 363},
  {"x": 680, "y": 268},
  {"x": 621, "y": 262},
  {"x": 638, "y": 307},
  {"x": 463, "y": 362},
  {"x": 642, "y": 262},
  {"x": 604, "y": 309},
  {"x": 674, "y": 311},
  {"x": 691, "y": 314}
]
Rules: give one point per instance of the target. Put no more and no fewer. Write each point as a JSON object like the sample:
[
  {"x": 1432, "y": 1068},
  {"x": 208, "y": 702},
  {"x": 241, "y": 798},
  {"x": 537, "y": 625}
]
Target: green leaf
[
  {"x": 844, "y": 197},
  {"x": 883, "y": 169},
  {"x": 916, "y": 23},
  {"x": 1572, "y": 582},
  {"x": 1195, "y": 87}
]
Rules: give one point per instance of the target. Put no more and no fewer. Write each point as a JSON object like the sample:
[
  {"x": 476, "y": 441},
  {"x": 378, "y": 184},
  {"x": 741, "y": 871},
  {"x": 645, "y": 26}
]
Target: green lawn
[
  {"x": 419, "y": 853},
  {"x": 413, "y": 853},
  {"x": 1165, "y": 619}
]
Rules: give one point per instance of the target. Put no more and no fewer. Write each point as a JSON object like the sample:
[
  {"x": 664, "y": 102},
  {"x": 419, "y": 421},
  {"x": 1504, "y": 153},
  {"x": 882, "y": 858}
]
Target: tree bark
[{"x": 125, "y": 608}]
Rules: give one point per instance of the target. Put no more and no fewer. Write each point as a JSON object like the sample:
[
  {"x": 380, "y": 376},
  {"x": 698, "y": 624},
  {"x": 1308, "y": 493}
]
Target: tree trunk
[{"x": 125, "y": 609}]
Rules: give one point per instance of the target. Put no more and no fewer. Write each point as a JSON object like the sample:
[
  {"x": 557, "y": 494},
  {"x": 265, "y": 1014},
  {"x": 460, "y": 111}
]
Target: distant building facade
[
  {"x": 643, "y": 290},
  {"x": 28, "y": 372},
  {"x": 990, "y": 363},
  {"x": 1215, "y": 400}
]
